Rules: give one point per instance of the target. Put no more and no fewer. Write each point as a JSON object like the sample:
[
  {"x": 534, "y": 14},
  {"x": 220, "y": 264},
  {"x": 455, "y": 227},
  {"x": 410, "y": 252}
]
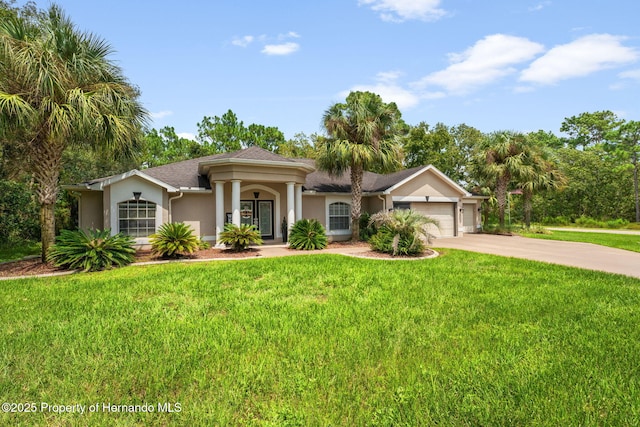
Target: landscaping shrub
[
  {"x": 92, "y": 251},
  {"x": 307, "y": 234},
  {"x": 401, "y": 232},
  {"x": 367, "y": 229},
  {"x": 173, "y": 240},
  {"x": 240, "y": 237},
  {"x": 18, "y": 213}
]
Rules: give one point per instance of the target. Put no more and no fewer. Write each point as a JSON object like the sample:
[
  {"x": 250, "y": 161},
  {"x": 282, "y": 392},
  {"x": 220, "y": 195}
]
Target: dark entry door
[{"x": 258, "y": 213}]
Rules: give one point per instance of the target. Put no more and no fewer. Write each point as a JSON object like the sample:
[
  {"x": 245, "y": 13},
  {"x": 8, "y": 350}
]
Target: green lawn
[
  {"x": 18, "y": 251},
  {"x": 463, "y": 339},
  {"x": 630, "y": 242}
]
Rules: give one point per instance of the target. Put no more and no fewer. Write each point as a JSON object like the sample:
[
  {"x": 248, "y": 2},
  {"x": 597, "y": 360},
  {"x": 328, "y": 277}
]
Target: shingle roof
[
  {"x": 185, "y": 173},
  {"x": 321, "y": 181}
]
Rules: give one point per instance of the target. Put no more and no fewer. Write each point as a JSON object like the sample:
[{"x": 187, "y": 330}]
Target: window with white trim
[
  {"x": 137, "y": 218},
  {"x": 339, "y": 216}
]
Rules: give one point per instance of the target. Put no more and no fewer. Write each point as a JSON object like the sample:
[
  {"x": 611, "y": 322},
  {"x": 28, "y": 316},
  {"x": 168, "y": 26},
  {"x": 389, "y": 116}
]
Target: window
[
  {"x": 137, "y": 218},
  {"x": 401, "y": 205},
  {"x": 339, "y": 216}
]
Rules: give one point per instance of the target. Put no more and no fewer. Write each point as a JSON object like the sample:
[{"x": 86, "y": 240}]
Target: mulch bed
[{"x": 32, "y": 267}]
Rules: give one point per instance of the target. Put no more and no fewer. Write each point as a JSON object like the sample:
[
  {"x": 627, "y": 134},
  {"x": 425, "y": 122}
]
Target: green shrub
[
  {"x": 202, "y": 245},
  {"x": 92, "y": 251},
  {"x": 367, "y": 229},
  {"x": 240, "y": 237},
  {"x": 174, "y": 239},
  {"x": 307, "y": 234},
  {"x": 401, "y": 232},
  {"x": 617, "y": 223},
  {"x": 556, "y": 220},
  {"x": 18, "y": 213}
]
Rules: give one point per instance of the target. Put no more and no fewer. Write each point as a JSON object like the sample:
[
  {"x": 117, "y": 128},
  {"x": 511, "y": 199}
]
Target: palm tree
[
  {"x": 363, "y": 136},
  {"x": 538, "y": 173},
  {"x": 58, "y": 89},
  {"x": 500, "y": 159}
]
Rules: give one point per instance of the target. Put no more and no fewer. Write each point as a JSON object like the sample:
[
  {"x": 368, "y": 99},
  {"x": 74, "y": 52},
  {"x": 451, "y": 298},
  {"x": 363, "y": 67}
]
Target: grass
[
  {"x": 18, "y": 250},
  {"x": 630, "y": 242},
  {"x": 463, "y": 339}
]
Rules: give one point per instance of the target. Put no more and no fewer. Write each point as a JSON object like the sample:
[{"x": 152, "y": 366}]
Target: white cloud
[
  {"x": 581, "y": 57},
  {"x": 538, "y": 7},
  {"x": 403, "y": 10},
  {"x": 280, "y": 49},
  {"x": 389, "y": 90},
  {"x": 242, "y": 41},
  {"x": 161, "y": 114},
  {"x": 488, "y": 60},
  {"x": 631, "y": 74},
  {"x": 187, "y": 135}
]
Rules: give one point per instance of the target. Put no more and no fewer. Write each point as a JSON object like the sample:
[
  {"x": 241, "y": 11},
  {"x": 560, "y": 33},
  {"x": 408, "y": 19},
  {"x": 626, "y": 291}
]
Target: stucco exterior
[{"x": 258, "y": 187}]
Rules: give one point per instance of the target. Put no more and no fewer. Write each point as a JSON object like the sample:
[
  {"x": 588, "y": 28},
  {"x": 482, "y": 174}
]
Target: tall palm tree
[
  {"x": 364, "y": 135},
  {"x": 58, "y": 89},
  {"x": 538, "y": 173},
  {"x": 501, "y": 159}
]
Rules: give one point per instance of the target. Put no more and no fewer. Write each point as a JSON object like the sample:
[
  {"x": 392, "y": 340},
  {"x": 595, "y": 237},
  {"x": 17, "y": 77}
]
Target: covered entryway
[{"x": 444, "y": 213}]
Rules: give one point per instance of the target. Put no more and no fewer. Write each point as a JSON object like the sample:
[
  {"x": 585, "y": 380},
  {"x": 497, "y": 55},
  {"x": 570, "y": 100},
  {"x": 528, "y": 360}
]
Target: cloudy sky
[{"x": 492, "y": 64}]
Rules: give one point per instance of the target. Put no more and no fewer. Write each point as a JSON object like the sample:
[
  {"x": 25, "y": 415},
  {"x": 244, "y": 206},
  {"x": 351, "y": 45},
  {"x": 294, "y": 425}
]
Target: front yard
[
  {"x": 463, "y": 339},
  {"x": 629, "y": 242}
]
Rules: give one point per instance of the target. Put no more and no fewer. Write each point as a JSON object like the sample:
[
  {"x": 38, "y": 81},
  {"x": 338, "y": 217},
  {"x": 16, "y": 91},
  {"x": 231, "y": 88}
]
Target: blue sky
[{"x": 492, "y": 64}]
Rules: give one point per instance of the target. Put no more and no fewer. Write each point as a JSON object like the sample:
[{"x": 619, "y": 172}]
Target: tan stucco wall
[
  {"x": 313, "y": 208},
  {"x": 256, "y": 173},
  {"x": 372, "y": 204},
  {"x": 90, "y": 210},
  {"x": 427, "y": 184},
  {"x": 196, "y": 210}
]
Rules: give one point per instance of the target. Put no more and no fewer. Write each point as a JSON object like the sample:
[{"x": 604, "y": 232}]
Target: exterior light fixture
[
  {"x": 136, "y": 195},
  {"x": 256, "y": 194}
]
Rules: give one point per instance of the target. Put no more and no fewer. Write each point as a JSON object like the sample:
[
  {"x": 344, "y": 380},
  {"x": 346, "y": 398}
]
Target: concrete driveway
[{"x": 582, "y": 255}]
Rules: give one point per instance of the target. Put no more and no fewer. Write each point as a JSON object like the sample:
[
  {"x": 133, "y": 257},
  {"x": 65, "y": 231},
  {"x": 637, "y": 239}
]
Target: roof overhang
[
  {"x": 205, "y": 167},
  {"x": 433, "y": 169},
  {"x": 100, "y": 185}
]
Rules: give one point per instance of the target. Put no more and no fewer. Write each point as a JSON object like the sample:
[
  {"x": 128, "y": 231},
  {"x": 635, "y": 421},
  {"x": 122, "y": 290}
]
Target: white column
[
  {"x": 235, "y": 201},
  {"x": 298, "y": 202},
  {"x": 291, "y": 217},
  {"x": 220, "y": 217}
]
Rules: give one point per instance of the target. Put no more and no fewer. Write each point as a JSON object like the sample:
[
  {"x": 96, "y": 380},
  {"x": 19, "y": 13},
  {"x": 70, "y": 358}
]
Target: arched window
[
  {"x": 137, "y": 218},
  {"x": 339, "y": 216}
]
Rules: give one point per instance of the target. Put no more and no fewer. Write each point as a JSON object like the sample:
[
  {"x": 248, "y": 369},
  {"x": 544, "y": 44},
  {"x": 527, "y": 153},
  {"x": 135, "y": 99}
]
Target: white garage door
[{"x": 444, "y": 213}]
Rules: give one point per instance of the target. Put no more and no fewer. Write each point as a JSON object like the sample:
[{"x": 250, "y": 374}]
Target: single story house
[{"x": 256, "y": 186}]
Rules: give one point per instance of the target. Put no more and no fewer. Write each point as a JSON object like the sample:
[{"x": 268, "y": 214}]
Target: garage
[{"x": 444, "y": 213}]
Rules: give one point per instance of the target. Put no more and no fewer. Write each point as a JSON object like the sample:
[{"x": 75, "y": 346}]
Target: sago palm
[
  {"x": 363, "y": 136},
  {"x": 58, "y": 89}
]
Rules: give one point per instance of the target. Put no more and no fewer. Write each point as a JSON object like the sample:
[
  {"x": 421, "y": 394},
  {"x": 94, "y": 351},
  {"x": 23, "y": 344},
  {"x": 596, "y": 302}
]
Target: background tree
[
  {"x": 165, "y": 146},
  {"x": 227, "y": 133},
  {"x": 59, "y": 89},
  {"x": 538, "y": 173},
  {"x": 588, "y": 129},
  {"x": 364, "y": 135},
  {"x": 450, "y": 149},
  {"x": 300, "y": 146},
  {"x": 500, "y": 159},
  {"x": 625, "y": 145}
]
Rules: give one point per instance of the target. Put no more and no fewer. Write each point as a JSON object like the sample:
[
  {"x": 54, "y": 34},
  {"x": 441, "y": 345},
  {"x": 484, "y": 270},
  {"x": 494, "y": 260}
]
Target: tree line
[{"x": 68, "y": 114}]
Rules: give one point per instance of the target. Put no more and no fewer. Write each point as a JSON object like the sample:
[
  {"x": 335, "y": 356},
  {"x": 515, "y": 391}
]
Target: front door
[{"x": 258, "y": 213}]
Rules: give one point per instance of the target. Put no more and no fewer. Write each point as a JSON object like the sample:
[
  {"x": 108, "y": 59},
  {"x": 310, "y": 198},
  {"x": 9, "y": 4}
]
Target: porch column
[
  {"x": 291, "y": 217},
  {"x": 298, "y": 202},
  {"x": 235, "y": 202},
  {"x": 219, "y": 211}
]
